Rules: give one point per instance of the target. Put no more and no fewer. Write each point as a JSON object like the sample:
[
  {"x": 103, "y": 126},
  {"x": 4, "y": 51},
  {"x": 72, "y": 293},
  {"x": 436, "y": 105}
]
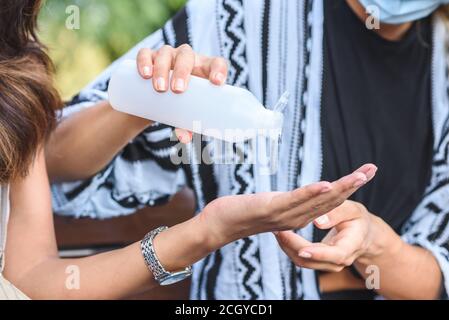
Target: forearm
[
  {"x": 86, "y": 142},
  {"x": 112, "y": 275},
  {"x": 406, "y": 271},
  {"x": 33, "y": 265},
  {"x": 116, "y": 274}
]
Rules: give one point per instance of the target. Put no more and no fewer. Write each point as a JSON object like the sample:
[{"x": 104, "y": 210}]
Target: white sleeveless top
[{"x": 7, "y": 290}]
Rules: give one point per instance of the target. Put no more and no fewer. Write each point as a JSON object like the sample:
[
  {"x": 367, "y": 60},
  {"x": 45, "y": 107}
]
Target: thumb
[
  {"x": 183, "y": 136},
  {"x": 291, "y": 240},
  {"x": 347, "y": 211}
]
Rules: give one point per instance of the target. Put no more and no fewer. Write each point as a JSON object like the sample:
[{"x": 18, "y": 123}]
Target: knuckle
[
  {"x": 222, "y": 61},
  {"x": 166, "y": 50},
  {"x": 166, "y": 47},
  {"x": 360, "y": 208},
  {"x": 185, "y": 48},
  {"x": 347, "y": 262},
  {"x": 144, "y": 52},
  {"x": 144, "y": 57},
  {"x": 317, "y": 206},
  {"x": 182, "y": 70},
  {"x": 159, "y": 54},
  {"x": 318, "y": 256},
  {"x": 337, "y": 269},
  {"x": 158, "y": 69},
  {"x": 161, "y": 67},
  {"x": 282, "y": 241},
  {"x": 340, "y": 261}
]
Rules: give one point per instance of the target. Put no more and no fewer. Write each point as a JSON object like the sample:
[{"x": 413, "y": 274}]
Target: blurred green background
[{"x": 108, "y": 28}]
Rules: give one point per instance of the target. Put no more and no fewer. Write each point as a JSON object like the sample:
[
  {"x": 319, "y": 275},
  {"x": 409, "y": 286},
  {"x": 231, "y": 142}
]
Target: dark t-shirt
[{"x": 376, "y": 108}]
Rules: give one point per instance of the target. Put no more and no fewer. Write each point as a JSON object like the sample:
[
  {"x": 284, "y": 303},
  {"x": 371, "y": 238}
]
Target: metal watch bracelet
[{"x": 162, "y": 276}]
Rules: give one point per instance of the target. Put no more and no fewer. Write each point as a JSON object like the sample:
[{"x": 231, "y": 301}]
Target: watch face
[{"x": 174, "y": 278}]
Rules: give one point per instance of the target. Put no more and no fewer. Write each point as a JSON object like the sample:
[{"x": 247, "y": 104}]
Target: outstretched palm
[{"x": 234, "y": 217}]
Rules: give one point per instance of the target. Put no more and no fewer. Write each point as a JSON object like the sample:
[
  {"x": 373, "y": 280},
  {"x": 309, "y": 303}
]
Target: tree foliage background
[{"x": 108, "y": 28}]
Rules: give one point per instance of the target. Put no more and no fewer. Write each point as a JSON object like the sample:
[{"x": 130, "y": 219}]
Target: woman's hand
[
  {"x": 354, "y": 234},
  {"x": 234, "y": 217},
  {"x": 184, "y": 62}
]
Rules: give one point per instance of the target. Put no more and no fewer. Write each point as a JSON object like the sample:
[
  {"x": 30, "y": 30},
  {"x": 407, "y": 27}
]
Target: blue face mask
[{"x": 402, "y": 11}]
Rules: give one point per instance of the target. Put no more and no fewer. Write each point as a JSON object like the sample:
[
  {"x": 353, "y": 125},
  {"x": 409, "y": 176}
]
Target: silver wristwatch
[{"x": 160, "y": 274}]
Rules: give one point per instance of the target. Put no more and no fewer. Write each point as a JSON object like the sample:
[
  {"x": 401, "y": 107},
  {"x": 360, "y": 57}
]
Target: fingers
[
  {"x": 293, "y": 244},
  {"x": 162, "y": 64},
  {"x": 351, "y": 183},
  {"x": 336, "y": 255},
  {"x": 184, "y": 62},
  {"x": 145, "y": 63},
  {"x": 214, "y": 69},
  {"x": 340, "y": 191},
  {"x": 317, "y": 265},
  {"x": 219, "y": 71},
  {"x": 184, "y": 136},
  {"x": 299, "y": 195},
  {"x": 291, "y": 241},
  {"x": 304, "y": 205},
  {"x": 289, "y": 200},
  {"x": 183, "y": 67},
  {"x": 349, "y": 210},
  {"x": 369, "y": 170}
]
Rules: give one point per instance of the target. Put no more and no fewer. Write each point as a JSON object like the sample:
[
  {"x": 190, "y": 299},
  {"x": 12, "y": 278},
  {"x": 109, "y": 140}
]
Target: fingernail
[
  {"x": 180, "y": 85},
  {"x": 305, "y": 255},
  {"x": 323, "y": 220},
  {"x": 360, "y": 182},
  {"x": 219, "y": 77},
  {"x": 371, "y": 173},
  {"x": 160, "y": 83},
  {"x": 147, "y": 71}
]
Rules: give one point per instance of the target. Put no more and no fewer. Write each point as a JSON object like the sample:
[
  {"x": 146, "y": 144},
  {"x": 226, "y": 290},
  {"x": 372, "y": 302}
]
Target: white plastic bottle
[{"x": 227, "y": 113}]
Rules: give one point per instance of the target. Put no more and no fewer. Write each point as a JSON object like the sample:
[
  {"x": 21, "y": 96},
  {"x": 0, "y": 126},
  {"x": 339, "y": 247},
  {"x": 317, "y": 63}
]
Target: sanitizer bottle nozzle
[{"x": 282, "y": 103}]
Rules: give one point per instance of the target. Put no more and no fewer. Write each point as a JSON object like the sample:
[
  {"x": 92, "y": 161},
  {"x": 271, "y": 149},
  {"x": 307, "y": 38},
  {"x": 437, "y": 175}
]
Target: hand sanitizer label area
[{"x": 223, "y": 115}]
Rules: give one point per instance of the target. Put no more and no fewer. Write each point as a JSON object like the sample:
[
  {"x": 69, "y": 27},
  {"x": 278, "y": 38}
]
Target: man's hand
[
  {"x": 353, "y": 235},
  {"x": 184, "y": 62}
]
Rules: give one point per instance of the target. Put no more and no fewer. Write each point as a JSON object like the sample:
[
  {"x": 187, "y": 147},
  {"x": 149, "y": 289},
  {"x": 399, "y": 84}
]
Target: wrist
[
  {"x": 183, "y": 245},
  {"x": 385, "y": 245},
  {"x": 135, "y": 124},
  {"x": 205, "y": 236}
]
